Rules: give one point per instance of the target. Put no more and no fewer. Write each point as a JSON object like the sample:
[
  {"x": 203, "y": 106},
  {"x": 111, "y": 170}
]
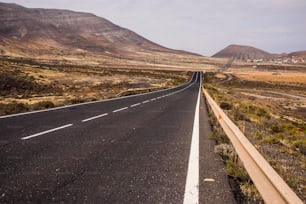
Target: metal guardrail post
[{"x": 270, "y": 185}]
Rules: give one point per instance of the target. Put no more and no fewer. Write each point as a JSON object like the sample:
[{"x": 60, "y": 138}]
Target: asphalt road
[{"x": 129, "y": 150}]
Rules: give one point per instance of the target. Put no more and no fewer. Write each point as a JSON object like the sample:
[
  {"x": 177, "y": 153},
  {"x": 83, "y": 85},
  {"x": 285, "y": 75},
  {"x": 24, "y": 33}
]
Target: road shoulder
[{"x": 214, "y": 184}]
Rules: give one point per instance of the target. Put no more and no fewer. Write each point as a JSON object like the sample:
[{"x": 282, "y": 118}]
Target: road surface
[{"x": 147, "y": 148}]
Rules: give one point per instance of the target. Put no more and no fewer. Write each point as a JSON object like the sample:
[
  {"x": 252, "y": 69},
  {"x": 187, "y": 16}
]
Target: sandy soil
[
  {"x": 281, "y": 137},
  {"x": 30, "y": 82},
  {"x": 283, "y": 77}
]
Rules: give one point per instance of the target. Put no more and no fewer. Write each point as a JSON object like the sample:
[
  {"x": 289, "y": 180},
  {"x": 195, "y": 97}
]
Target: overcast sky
[{"x": 201, "y": 26}]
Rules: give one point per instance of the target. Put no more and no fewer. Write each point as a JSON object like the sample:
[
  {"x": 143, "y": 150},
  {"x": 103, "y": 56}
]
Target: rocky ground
[
  {"x": 27, "y": 84},
  {"x": 270, "y": 110}
]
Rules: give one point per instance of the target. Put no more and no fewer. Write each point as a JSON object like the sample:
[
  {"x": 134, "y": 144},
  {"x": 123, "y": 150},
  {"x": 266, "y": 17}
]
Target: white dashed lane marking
[
  {"x": 98, "y": 116},
  {"x": 95, "y": 117},
  {"x": 45, "y": 132},
  {"x": 121, "y": 109},
  {"x": 134, "y": 105}
]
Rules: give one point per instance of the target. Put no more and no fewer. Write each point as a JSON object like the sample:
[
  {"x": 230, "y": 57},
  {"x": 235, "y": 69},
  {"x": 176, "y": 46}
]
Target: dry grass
[
  {"x": 270, "y": 113},
  {"x": 142, "y": 59},
  {"x": 25, "y": 83},
  {"x": 244, "y": 189},
  {"x": 281, "y": 77}
]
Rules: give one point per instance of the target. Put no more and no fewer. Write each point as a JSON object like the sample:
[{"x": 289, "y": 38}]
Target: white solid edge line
[
  {"x": 45, "y": 132},
  {"x": 92, "y": 102},
  {"x": 95, "y": 117},
  {"x": 134, "y": 105},
  {"x": 191, "y": 195},
  {"x": 121, "y": 109}
]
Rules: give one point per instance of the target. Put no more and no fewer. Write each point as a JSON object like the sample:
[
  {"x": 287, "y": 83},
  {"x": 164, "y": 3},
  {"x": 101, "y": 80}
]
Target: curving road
[{"x": 147, "y": 148}]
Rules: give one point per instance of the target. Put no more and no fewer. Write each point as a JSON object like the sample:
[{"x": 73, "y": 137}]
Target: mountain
[
  {"x": 36, "y": 32},
  {"x": 298, "y": 55},
  {"x": 243, "y": 53}
]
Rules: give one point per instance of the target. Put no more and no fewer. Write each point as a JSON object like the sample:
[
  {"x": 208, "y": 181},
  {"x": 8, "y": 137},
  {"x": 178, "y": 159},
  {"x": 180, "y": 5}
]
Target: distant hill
[
  {"x": 243, "y": 53},
  {"x": 298, "y": 55},
  {"x": 39, "y": 31}
]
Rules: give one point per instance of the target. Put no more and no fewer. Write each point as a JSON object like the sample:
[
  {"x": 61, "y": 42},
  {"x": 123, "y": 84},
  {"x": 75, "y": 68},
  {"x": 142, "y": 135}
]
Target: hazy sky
[{"x": 201, "y": 26}]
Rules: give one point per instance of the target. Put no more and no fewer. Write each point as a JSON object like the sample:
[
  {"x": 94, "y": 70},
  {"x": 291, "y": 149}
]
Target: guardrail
[{"x": 270, "y": 185}]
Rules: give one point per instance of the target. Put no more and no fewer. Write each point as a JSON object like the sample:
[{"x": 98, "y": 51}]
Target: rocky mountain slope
[
  {"x": 297, "y": 55},
  {"x": 243, "y": 53},
  {"x": 38, "y": 31}
]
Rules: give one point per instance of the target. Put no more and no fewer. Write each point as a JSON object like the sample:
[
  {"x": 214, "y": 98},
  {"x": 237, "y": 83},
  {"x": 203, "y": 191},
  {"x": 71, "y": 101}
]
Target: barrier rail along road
[{"x": 270, "y": 185}]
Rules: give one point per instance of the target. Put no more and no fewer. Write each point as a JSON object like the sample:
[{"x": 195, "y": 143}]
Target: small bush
[
  {"x": 219, "y": 137},
  {"x": 226, "y": 106},
  {"x": 300, "y": 144},
  {"x": 258, "y": 135},
  {"x": 77, "y": 100},
  {"x": 271, "y": 139},
  {"x": 262, "y": 112},
  {"x": 43, "y": 105},
  {"x": 249, "y": 189},
  {"x": 240, "y": 115},
  {"x": 13, "y": 108},
  {"x": 277, "y": 129},
  {"x": 226, "y": 151},
  {"x": 237, "y": 171}
]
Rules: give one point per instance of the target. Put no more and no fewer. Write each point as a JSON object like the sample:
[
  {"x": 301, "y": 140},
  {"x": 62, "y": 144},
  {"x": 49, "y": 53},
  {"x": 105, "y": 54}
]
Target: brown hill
[
  {"x": 243, "y": 53},
  {"x": 25, "y": 31},
  {"x": 298, "y": 55}
]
